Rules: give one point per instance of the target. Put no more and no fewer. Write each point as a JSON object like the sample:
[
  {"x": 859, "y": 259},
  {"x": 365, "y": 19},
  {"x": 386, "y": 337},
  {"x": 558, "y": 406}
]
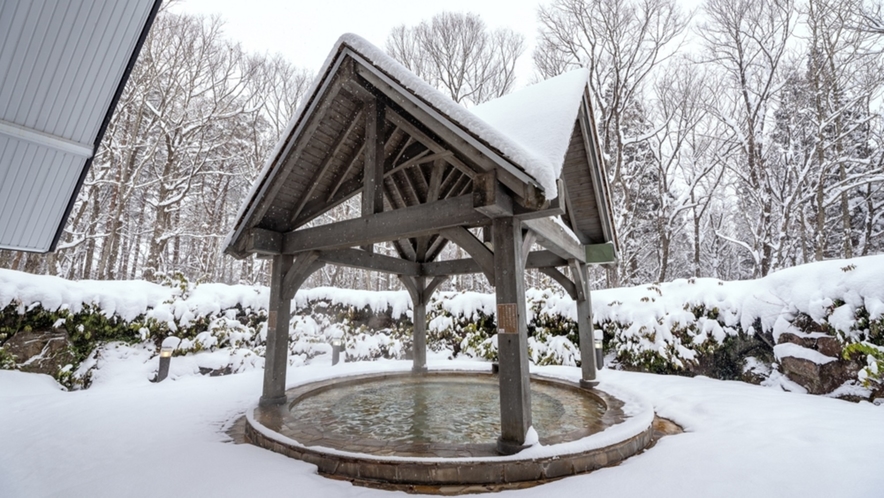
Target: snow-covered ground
[{"x": 127, "y": 437}]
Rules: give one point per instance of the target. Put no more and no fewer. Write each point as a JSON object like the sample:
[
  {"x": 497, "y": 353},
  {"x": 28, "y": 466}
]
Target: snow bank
[
  {"x": 127, "y": 299},
  {"x": 115, "y": 439},
  {"x": 661, "y": 327}
]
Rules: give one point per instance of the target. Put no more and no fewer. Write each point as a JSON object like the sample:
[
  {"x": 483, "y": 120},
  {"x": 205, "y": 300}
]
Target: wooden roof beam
[
  {"x": 405, "y": 249},
  {"x": 596, "y": 170},
  {"x": 437, "y": 244},
  {"x": 343, "y": 191},
  {"x": 525, "y": 188},
  {"x": 414, "y": 221},
  {"x": 416, "y": 133},
  {"x": 351, "y": 163},
  {"x": 294, "y": 148},
  {"x": 554, "y": 238}
]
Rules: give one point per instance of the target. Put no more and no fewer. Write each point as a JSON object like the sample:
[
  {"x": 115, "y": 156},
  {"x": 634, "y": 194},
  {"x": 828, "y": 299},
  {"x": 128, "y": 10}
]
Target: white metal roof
[{"x": 62, "y": 67}]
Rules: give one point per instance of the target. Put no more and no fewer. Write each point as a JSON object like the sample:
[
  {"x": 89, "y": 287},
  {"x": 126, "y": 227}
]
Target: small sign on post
[{"x": 508, "y": 318}]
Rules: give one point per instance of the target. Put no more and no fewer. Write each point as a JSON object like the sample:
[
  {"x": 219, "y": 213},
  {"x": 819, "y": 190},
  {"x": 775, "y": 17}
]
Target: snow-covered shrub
[
  {"x": 366, "y": 326},
  {"x": 7, "y": 360},
  {"x": 873, "y": 356},
  {"x": 655, "y": 336},
  {"x": 462, "y": 322},
  {"x": 696, "y": 326}
]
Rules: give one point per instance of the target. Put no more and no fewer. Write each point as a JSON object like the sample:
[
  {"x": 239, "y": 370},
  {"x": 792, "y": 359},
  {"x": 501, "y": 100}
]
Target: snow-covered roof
[
  {"x": 539, "y": 118},
  {"x": 62, "y": 68},
  {"x": 530, "y": 127},
  {"x": 526, "y": 134}
]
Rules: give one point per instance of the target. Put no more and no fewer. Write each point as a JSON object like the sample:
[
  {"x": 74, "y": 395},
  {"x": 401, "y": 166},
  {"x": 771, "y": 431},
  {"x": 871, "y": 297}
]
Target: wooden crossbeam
[
  {"x": 489, "y": 197},
  {"x": 414, "y": 221},
  {"x": 356, "y": 258},
  {"x": 262, "y": 241},
  {"x": 536, "y": 259}
]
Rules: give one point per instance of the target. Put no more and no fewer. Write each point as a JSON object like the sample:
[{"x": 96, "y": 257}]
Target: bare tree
[
  {"x": 190, "y": 133},
  {"x": 622, "y": 43},
  {"x": 459, "y": 55},
  {"x": 748, "y": 41}
]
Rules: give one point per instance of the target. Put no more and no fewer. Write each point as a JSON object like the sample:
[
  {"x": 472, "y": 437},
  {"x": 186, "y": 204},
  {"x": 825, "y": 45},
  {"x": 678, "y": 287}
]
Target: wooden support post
[
  {"x": 276, "y": 355},
  {"x": 584, "y": 325},
  {"x": 287, "y": 274},
  {"x": 419, "y": 339},
  {"x": 512, "y": 335},
  {"x": 373, "y": 174},
  {"x": 420, "y": 293}
]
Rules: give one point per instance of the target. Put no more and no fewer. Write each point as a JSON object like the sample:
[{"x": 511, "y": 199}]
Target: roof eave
[
  {"x": 105, "y": 123},
  {"x": 598, "y": 173}
]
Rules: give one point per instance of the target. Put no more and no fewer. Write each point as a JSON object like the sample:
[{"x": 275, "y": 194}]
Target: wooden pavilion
[{"x": 523, "y": 169}]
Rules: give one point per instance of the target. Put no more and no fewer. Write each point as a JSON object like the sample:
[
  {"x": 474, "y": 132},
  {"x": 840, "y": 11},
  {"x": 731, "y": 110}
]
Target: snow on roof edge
[{"x": 538, "y": 167}]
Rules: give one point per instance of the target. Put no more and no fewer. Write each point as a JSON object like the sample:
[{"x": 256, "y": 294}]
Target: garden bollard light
[
  {"x": 169, "y": 345},
  {"x": 599, "y": 353},
  {"x": 337, "y": 347}
]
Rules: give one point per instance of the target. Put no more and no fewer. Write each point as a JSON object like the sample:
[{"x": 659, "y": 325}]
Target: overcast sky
[{"x": 304, "y": 32}]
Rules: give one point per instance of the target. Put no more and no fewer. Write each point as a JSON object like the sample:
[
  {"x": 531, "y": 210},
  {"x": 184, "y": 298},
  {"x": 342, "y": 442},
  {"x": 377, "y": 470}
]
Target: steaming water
[{"x": 440, "y": 409}]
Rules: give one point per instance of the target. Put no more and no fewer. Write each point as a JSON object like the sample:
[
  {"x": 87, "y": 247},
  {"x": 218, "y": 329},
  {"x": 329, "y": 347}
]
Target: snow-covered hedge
[{"x": 768, "y": 329}]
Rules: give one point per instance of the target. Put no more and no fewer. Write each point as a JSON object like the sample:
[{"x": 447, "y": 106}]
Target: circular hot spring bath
[{"x": 438, "y": 432}]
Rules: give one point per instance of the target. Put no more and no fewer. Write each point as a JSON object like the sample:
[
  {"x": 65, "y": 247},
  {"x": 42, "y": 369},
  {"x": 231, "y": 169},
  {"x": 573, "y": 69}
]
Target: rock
[
  {"x": 42, "y": 351},
  {"x": 829, "y": 346},
  {"x": 215, "y": 372},
  {"x": 818, "y": 378},
  {"x": 826, "y": 344}
]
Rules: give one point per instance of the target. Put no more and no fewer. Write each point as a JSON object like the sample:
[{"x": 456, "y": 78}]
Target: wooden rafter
[
  {"x": 294, "y": 150},
  {"x": 326, "y": 164}
]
